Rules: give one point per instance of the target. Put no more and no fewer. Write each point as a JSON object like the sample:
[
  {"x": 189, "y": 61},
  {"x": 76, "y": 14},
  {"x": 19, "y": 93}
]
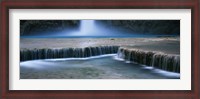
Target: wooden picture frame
[{"x": 194, "y": 93}]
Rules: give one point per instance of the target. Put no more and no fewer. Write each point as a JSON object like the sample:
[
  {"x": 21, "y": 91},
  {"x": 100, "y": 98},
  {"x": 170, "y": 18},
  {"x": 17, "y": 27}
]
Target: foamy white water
[
  {"x": 155, "y": 70},
  {"x": 95, "y": 67}
]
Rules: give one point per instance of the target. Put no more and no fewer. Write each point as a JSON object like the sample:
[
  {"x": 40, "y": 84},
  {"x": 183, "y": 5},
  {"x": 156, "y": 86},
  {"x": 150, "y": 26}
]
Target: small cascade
[
  {"x": 168, "y": 62},
  {"x": 33, "y": 54}
]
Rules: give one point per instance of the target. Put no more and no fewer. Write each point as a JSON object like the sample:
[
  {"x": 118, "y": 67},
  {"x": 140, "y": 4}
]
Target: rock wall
[
  {"x": 168, "y": 62},
  {"x": 166, "y": 27},
  {"x": 32, "y": 54},
  {"x": 28, "y": 27}
]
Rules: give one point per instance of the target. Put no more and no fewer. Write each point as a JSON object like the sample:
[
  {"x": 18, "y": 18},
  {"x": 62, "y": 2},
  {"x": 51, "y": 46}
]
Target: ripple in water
[{"x": 95, "y": 67}]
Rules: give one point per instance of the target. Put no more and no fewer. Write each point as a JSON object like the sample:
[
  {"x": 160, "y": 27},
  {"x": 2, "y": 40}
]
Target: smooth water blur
[
  {"x": 92, "y": 29},
  {"x": 87, "y": 27},
  {"x": 97, "y": 67}
]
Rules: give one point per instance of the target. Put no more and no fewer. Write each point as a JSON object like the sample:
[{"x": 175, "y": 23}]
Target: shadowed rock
[
  {"x": 32, "y": 54},
  {"x": 169, "y": 62}
]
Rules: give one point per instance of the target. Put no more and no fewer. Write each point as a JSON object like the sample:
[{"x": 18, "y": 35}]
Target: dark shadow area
[{"x": 99, "y": 28}]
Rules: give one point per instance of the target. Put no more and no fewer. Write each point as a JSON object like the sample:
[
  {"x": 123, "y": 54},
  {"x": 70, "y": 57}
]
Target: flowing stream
[{"x": 107, "y": 66}]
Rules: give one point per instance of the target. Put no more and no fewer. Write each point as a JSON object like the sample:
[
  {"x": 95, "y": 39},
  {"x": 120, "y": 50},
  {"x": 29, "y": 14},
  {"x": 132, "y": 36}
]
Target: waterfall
[
  {"x": 32, "y": 54},
  {"x": 87, "y": 26},
  {"x": 169, "y": 62}
]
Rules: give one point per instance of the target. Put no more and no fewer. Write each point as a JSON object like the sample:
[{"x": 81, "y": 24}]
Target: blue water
[{"x": 96, "y": 67}]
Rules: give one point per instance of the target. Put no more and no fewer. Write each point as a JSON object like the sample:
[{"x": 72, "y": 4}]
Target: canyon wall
[
  {"x": 30, "y": 27},
  {"x": 166, "y": 27},
  {"x": 158, "y": 27}
]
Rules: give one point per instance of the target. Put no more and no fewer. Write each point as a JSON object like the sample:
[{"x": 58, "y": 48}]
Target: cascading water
[
  {"x": 169, "y": 62},
  {"x": 91, "y": 28},
  {"x": 87, "y": 26},
  {"x": 159, "y": 60},
  {"x": 32, "y": 54}
]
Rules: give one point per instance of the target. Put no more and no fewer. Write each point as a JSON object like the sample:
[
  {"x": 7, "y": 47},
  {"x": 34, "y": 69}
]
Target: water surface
[{"x": 97, "y": 67}]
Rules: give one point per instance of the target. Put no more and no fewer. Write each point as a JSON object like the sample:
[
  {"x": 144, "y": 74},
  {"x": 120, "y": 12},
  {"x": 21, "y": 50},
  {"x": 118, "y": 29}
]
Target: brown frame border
[{"x": 99, "y": 4}]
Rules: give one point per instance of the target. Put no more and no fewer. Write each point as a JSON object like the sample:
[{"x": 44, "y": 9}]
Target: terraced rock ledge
[
  {"x": 33, "y": 54},
  {"x": 162, "y": 53},
  {"x": 168, "y": 62}
]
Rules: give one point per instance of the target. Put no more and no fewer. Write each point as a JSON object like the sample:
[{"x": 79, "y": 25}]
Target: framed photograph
[{"x": 102, "y": 49}]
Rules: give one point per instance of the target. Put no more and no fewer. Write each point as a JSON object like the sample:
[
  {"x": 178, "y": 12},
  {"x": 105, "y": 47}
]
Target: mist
[{"x": 101, "y": 28}]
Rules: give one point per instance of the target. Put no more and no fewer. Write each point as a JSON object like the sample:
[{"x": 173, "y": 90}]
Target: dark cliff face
[
  {"x": 50, "y": 27},
  {"x": 166, "y": 27},
  {"x": 30, "y": 27}
]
